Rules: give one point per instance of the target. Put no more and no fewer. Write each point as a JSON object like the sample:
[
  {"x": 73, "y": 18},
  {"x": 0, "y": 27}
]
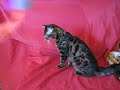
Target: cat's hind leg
[
  {"x": 77, "y": 73},
  {"x": 85, "y": 71}
]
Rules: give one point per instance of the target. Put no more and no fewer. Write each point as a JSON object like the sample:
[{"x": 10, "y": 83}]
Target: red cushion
[{"x": 31, "y": 61}]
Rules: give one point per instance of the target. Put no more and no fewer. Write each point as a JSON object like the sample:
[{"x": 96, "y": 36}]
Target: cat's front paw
[
  {"x": 69, "y": 64},
  {"x": 60, "y": 66}
]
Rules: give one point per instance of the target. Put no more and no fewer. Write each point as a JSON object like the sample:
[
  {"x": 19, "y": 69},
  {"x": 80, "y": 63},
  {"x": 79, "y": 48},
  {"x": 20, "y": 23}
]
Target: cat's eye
[{"x": 49, "y": 35}]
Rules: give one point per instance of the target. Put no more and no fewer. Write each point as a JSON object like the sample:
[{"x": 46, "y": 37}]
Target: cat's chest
[{"x": 61, "y": 43}]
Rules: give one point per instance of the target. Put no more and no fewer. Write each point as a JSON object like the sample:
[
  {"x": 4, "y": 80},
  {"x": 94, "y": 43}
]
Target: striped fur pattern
[{"x": 78, "y": 53}]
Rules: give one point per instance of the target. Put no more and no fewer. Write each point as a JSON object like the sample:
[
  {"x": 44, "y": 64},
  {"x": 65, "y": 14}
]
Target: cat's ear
[{"x": 43, "y": 26}]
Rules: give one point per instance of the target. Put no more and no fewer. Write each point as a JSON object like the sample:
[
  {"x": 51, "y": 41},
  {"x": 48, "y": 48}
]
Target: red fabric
[{"x": 28, "y": 62}]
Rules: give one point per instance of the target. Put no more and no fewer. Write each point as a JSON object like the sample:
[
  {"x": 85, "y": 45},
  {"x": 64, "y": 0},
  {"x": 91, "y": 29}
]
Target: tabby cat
[{"x": 78, "y": 53}]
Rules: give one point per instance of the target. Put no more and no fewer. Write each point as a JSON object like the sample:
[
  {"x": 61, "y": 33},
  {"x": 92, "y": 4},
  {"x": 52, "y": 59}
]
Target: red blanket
[{"x": 28, "y": 61}]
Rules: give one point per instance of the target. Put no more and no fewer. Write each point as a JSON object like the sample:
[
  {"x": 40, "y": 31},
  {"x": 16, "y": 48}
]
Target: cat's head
[{"x": 51, "y": 31}]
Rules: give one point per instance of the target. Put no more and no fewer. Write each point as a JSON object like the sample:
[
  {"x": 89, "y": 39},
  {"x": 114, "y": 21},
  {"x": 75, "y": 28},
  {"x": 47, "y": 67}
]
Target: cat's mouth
[{"x": 48, "y": 38}]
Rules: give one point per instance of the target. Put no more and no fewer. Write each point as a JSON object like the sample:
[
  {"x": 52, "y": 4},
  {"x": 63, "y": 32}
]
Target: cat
[{"x": 78, "y": 53}]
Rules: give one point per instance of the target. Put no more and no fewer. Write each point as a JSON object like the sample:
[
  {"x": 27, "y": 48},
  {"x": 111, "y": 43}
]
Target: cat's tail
[{"x": 112, "y": 69}]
